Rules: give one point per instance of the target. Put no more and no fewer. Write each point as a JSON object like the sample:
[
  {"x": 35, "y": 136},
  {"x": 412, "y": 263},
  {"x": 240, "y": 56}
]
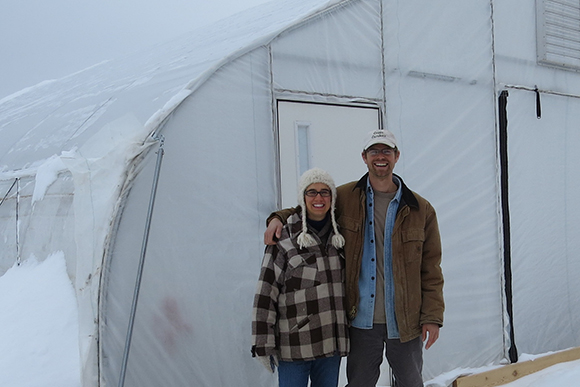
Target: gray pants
[{"x": 366, "y": 356}]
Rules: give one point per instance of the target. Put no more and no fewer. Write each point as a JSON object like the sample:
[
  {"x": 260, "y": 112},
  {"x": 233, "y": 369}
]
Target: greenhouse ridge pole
[{"x": 160, "y": 154}]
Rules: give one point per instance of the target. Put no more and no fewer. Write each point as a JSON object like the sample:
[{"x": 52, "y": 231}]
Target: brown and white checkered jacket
[{"x": 299, "y": 307}]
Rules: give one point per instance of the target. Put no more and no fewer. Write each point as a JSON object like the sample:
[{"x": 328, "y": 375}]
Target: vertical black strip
[
  {"x": 538, "y": 104},
  {"x": 503, "y": 157}
]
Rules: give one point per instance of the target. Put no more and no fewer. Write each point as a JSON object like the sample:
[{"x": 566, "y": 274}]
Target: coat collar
[{"x": 407, "y": 196}]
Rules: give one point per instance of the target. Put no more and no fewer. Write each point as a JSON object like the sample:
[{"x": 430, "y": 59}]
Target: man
[{"x": 394, "y": 283}]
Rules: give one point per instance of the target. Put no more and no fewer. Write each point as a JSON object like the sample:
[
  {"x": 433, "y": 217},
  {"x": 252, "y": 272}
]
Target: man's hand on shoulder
[{"x": 273, "y": 231}]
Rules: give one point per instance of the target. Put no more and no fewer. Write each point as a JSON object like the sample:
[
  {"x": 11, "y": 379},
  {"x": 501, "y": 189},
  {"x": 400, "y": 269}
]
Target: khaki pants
[{"x": 366, "y": 355}]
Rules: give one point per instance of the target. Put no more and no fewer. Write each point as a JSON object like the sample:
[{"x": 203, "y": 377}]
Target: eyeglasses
[
  {"x": 385, "y": 151},
  {"x": 325, "y": 193}
]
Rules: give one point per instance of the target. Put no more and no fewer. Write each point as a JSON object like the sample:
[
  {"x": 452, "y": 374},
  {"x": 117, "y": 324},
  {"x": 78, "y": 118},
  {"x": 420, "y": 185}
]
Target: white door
[{"x": 325, "y": 136}]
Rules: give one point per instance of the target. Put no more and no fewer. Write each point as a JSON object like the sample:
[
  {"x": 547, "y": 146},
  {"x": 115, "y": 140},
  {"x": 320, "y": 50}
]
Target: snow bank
[
  {"x": 39, "y": 337},
  {"x": 565, "y": 374},
  {"x": 561, "y": 375}
]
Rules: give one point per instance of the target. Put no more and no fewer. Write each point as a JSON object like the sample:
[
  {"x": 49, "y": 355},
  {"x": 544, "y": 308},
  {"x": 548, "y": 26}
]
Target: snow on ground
[
  {"x": 559, "y": 375},
  {"x": 39, "y": 333},
  {"x": 38, "y": 325}
]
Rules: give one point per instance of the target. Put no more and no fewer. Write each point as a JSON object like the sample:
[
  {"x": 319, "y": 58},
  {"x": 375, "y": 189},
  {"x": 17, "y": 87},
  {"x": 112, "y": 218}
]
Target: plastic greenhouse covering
[{"x": 78, "y": 158}]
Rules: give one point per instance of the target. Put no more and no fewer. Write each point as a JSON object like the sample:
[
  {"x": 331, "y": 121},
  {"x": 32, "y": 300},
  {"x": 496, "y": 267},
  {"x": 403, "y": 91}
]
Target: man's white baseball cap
[{"x": 380, "y": 136}]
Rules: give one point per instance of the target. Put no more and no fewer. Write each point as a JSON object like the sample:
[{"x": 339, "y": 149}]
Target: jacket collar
[{"x": 407, "y": 196}]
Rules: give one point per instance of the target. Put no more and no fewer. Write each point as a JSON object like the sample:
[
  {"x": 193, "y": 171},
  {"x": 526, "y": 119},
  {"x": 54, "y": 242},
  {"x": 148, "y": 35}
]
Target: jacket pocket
[
  {"x": 348, "y": 224},
  {"x": 413, "y": 240},
  {"x": 301, "y": 260},
  {"x": 302, "y": 273},
  {"x": 301, "y": 324}
]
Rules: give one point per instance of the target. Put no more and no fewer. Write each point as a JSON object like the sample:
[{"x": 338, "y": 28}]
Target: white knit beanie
[{"x": 317, "y": 175}]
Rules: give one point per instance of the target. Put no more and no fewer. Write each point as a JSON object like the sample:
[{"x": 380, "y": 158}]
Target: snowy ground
[
  {"x": 560, "y": 375},
  {"x": 39, "y": 326}
]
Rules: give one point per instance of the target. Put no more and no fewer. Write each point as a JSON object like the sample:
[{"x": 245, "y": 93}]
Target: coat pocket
[
  {"x": 301, "y": 273},
  {"x": 413, "y": 240},
  {"x": 301, "y": 324},
  {"x": 348, "y": 224},
  {"x": 301, "y": 260}
]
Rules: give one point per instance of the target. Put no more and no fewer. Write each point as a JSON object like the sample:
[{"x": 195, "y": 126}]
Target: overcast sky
[{"x": 49, "y": 39}]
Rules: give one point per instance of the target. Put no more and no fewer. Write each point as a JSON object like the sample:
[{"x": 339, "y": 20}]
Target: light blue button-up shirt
[{"x": 367, "y": 279}]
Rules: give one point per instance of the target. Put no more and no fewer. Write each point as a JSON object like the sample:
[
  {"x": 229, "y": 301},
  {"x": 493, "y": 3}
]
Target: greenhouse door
[
  {"x": 329, "y": 137},
  {"x": 321, "y": 135}
]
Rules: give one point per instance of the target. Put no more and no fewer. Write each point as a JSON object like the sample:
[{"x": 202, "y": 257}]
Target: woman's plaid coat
[{"x": 299, "y": 306}]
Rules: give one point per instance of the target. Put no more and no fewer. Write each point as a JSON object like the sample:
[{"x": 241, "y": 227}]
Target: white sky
[{"x": 49, "y": 39}]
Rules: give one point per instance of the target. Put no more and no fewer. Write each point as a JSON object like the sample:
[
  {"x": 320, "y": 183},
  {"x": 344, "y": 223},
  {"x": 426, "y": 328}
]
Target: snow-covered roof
[{"x": 59, "y": 115}]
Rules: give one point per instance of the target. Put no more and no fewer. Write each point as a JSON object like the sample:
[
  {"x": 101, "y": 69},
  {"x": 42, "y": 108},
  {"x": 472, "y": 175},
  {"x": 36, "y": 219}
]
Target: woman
[{"x": 299, "y": 319}]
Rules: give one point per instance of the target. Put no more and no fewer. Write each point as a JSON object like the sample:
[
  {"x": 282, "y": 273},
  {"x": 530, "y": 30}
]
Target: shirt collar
[{"x": 396, "y": 180}]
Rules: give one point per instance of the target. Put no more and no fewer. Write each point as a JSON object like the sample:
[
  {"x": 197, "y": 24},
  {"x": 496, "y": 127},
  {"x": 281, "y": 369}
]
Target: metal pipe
[
  {"x": 8, "y": 192},
  {"x": 160, "y": 153},
  {"x": 17, "y": 235},
  {"x": 18, "y": 221}
]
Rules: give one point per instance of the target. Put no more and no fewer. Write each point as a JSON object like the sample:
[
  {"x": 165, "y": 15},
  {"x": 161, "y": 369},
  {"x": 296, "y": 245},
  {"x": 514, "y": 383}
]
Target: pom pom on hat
[{"x": 317, "y": 175}]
